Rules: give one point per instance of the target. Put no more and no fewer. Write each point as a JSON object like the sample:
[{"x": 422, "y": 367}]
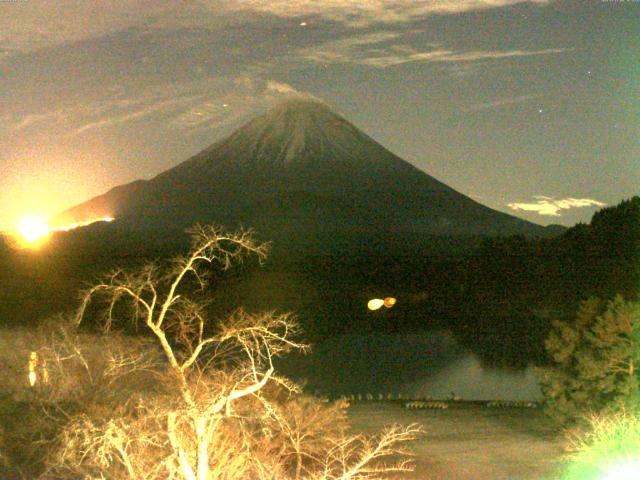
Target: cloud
[
  {"x": 189, "y": 106},
  {"x": 115, "y": 108},
  {"x": 551, "y": 207},
  {"x": 279, "y": 87},
  {"x": 31, "y": 25},
  {"x": 502, "y": 102},
  {"x": 367, "y": 12},
  {"x": 247, "y": 96},
  {"x": 377, "y": 50},
  {"x": 407, "y": 54},
  {"x": 98, "y": 98},
  {"x": 201, "y": 115},
  {"x": 122, "y": 117},
  {"x": 33, "y": 119},
  {"x": 26, "y": 25}
]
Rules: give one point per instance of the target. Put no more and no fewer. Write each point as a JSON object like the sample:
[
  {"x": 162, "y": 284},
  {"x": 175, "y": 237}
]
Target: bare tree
[{"x": 213, "y": 414}]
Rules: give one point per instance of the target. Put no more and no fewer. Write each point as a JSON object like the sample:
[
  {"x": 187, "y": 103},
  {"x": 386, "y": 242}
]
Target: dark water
[{"x": 419, "y": 365}]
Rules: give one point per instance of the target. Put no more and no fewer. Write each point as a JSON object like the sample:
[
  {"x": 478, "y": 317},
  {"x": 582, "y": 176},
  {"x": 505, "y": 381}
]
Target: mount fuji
[{"x": 301, "y": 173}]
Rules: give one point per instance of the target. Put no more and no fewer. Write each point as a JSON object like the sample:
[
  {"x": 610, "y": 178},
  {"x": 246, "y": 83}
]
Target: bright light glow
[
  {"x": 32, "y": 230},
  {"x": 33, "y": 370},
  {"x": 626, "y": 471},
  {"x": 33, "y": 363},
  {"x": 45, "y": 372},
  {"x": 375, "y": 304},
  {"x": 71, "y": 226}
]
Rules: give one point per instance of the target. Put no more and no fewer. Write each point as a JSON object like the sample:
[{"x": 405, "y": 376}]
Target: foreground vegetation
[
  {"x": 498, "y": 296},
  {"x": 608, "y": 448},
  {"x": 184, "y": 395},
  {"x": 190, "y": 400},
  {"x": 592, "y": 387},
  {"x": 595, "y": 362}
]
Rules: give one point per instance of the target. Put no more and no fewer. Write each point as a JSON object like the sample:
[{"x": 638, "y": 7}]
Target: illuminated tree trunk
[{"x": 203, "y": 448}]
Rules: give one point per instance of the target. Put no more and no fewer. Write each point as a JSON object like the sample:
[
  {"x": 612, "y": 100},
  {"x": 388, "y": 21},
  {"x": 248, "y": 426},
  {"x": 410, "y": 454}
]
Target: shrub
[
  {"x": 205, "y": 403},
  {"x": 84, "y": 372},
  {"x": 609, "y": 449}
]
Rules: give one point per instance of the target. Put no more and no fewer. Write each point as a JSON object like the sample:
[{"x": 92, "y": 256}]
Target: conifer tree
[{"x": 595, "y": 361}]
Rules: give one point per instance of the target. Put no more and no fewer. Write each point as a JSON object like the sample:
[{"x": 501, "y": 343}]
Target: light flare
[
  {"x": 32, "y": 232},
  {"x": 71, "y": 226},
  {"x": 629, "y": 470},
  {"x": 33, "y": 364},
  {"x": 33, "y": 370},
  {"x": 377, "y": 303}
]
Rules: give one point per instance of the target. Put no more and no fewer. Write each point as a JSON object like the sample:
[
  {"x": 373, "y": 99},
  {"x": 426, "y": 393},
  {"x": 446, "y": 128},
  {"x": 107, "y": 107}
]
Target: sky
[{"x": 531, "y": 108}]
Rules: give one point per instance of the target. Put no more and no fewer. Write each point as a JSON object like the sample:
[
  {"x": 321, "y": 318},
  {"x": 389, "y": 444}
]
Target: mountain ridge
[{"x": 301, "y": 168}]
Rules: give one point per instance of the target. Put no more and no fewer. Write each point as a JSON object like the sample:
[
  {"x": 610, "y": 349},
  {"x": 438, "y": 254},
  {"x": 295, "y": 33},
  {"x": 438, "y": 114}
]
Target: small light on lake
[
  {"x": 389, "y": 302},
  {"x": 375, "y": 303}
]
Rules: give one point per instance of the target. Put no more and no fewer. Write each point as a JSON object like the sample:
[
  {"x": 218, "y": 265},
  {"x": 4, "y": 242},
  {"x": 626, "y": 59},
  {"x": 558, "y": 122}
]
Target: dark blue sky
[{"x": 532, "y": 108}]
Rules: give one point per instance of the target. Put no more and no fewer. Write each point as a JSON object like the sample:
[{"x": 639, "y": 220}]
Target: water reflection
[
  {"x": 470, "y": 380},
  {"x": 421, "y": 364}
]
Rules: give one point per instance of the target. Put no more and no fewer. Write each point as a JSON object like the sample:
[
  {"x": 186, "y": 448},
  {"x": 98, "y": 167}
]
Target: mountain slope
[{"x": 301, "y": 171}]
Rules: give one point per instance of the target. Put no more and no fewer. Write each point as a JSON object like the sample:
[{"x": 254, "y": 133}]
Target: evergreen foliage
[{"x": 595, "y": 361}]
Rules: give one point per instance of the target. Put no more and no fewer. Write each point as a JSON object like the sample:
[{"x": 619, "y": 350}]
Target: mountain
[{"x": 301, "y": 172}]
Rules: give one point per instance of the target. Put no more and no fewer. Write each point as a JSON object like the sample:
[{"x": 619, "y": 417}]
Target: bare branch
[
  {"x": 360, "y": 458},
  {"x": 211, "y": 412}
]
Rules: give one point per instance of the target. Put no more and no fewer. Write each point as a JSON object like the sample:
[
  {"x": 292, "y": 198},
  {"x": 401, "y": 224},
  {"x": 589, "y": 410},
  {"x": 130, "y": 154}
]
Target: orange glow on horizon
[
  {"x": 32, "y": 232},
  {"x": 71, "y": 226}
]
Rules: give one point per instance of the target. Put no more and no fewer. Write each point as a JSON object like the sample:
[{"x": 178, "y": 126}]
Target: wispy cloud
[
  {"x": 249, "y": 96},
  {"x": 502, "y": 102},
  {"x": 280, "y": 87},
  {"x": 366, "y": 12},
  {"x": 189, "y": 106},
  {"x": 32, "y": 25},
  {"x": 34, "y": 119},
  {"x": 551, "y": 207},
  {"x": 122, "y": 117},
  {"x": 205, "y": 113},
  {"x": 408, "y": 54},
  {"x": 382, "y": 50}
]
